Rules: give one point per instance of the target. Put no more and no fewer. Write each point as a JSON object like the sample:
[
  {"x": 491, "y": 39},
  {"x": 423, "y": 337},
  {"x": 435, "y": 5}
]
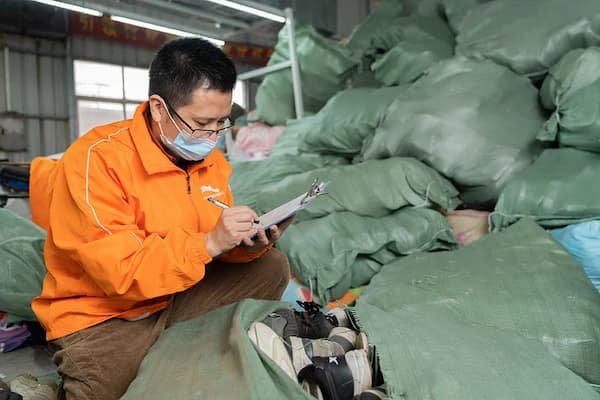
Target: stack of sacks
[
  {"x": 324, "y": 66},
  {"x": 373, "y": 213},
  {"x": 572, "y": 92},
  {"x": 528, "y": 36},
  {"x": 474, "y": 121}
]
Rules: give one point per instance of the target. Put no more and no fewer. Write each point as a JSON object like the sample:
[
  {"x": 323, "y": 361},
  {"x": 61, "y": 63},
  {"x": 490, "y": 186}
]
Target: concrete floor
[{"x": 35, "y": 360}]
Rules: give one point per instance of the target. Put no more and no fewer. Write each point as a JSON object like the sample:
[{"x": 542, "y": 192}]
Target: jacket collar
[{"x": 153, "y": 158}]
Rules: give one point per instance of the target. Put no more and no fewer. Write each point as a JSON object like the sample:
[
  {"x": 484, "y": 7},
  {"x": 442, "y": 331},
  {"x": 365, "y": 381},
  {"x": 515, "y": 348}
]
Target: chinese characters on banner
[
  {"x": 105, "y": 28},
  {"x": 248, "y": 54}
]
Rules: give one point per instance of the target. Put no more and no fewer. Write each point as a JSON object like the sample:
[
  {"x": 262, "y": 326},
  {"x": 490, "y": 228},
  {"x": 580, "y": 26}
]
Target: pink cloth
[{"x": 257, "y": 139}]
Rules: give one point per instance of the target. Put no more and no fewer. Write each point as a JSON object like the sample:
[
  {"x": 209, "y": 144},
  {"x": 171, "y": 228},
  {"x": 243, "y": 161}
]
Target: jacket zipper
[{"x": 187, "y": 179}]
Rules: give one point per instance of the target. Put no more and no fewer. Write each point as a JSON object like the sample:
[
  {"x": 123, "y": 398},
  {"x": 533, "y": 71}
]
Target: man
[{"x": 133, "y": 243}]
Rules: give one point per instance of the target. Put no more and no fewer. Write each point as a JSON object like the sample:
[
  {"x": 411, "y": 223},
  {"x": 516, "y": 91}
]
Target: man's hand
[
  {"x": 263, "y": 239},
  {"x": 235, "y": 225}
]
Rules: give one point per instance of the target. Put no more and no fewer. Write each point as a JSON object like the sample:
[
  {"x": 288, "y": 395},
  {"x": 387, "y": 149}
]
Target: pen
[
  {"x": 217, "y": 203},
  {"x": 222, "y": 205}
]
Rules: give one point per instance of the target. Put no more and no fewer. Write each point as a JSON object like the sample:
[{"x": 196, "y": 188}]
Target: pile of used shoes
[{"x": 326, "y": 353}]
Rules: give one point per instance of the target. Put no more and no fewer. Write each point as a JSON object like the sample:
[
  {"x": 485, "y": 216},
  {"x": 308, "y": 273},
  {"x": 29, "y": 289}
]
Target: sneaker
[
  {"x": 30, "y": 388},
  {"x": 349, "y": 339},
  {"x": 265, "y": 339},
  {"x": 376, "y": 393},
  {"x": 302, "y": 350},
  {"x": 310, "y": 324},
  {"x": 313, "y": 390},
  {"x": 340, "y": 378}
]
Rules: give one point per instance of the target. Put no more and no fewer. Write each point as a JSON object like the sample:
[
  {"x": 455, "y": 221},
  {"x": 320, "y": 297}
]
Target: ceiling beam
[{"x": 196, "y": 12}]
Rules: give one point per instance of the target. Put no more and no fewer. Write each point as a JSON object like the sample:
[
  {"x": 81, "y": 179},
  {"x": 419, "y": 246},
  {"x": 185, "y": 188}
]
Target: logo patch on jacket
[{"x": 209, "y": 191}]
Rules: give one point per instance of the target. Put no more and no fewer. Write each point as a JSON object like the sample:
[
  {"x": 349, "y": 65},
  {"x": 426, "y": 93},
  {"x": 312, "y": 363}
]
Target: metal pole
[
  {"x": 264, "y": 70},
  {"x": 296, "y": 81},
  {"x": 7, "y": 78}
]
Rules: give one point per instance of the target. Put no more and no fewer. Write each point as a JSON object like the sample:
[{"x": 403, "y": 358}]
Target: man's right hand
[{"x": 235, "y": 225}]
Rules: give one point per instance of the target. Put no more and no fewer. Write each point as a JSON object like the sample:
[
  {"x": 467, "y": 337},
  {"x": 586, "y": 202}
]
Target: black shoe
[
  {"x": 339, "y": 378},
  {"x": 309, "y": 324},
  {"x": 376, "y": 393}
]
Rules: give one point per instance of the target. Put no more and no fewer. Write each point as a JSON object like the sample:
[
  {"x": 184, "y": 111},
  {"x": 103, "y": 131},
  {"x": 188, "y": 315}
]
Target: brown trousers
[{"x": 101, "y": 361}]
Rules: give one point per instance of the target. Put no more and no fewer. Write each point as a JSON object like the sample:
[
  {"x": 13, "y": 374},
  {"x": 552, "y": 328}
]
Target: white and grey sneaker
[
  {"x": 340, "y": 378},
  {"x": 265, "y": 339}
]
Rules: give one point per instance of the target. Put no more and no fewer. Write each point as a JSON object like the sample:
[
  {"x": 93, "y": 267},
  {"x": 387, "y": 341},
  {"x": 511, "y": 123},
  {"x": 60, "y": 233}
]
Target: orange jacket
[{"x": 126, "y": 226}]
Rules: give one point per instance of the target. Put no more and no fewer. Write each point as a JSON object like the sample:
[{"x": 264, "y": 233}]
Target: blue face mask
[{"x": 184, "y": 146}]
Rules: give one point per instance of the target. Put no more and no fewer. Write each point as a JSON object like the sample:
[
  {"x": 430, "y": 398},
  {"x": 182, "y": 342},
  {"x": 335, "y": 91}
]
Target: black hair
[{"x": 183, "y": 65}]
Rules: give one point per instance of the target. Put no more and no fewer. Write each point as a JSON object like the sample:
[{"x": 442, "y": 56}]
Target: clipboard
[{"x": 286, "y": 210}]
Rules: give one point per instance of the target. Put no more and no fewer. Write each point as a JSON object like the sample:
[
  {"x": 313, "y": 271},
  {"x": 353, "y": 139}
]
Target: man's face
[{"x": 208, "y": 109}]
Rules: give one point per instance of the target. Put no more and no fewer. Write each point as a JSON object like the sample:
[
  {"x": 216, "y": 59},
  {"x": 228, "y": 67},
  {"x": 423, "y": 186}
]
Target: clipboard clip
[{"x": 316, "y": 189}]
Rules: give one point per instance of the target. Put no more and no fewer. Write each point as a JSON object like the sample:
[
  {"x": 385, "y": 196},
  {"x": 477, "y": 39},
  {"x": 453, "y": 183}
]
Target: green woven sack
[
  {"x": 324, "y": 67},
  {"x": 518, "y": 281},
  {"x": 346, "y": 120},
  {"x": 473, "y": 121},
  {"x": 456, "y": 10},
  {"x": 381, "y": 19},
  {"x": 322, "y": 251},
  {"x": 22, "y": 267},
  {"x": 572, "y": 92},
  {"x": 374, "y": 188},
  {"x": 560, "y": 188},
  {"x": 529, "y": 36},
  {"x": 407, "y": 61},
  {"x": 249, "y": 177},
  {"x": 212, "y": 357},
  {"x": 427, "y": 354}
]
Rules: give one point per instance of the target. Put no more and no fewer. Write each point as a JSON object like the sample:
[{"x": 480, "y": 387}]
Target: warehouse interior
[{"x": 285, "y": 199}]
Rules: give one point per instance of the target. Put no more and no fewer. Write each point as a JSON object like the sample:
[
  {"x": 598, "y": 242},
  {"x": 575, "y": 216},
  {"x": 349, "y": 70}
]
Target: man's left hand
[{"x": 264, "y": 239}]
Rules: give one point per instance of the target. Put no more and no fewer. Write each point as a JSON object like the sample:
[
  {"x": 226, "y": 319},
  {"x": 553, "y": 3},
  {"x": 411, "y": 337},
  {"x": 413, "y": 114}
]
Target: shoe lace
[{"x": 313, "y": 313}]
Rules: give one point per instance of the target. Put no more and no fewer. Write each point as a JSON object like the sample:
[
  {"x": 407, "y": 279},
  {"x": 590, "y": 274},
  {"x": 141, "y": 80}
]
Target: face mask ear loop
[{"x": 171, "y": 118}]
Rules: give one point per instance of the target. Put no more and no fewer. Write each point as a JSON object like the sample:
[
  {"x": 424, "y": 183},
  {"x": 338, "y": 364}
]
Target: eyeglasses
[{"x": 203, "y": 133}]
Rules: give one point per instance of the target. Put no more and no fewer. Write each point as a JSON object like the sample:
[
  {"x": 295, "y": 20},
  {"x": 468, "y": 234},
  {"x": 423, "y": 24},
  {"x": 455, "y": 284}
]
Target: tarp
[
  {"x": 22, "y": 268},
  {"x": 572, "y": 92},
  {"x": 373, "y": 188},
  {"x": 560, "y": 188},
  {"x": 346, "y": 120},
  {"x": 323, "y": 69},
  {"x": 473, "y": 121},
  {"x": 455, "y": 325},
  {"x": 529, "y": 36},
  {"x": 249, "y": 177},
  {"x": 322, "y": 251}
]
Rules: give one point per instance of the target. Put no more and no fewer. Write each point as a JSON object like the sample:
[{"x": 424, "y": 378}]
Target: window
[
  {"x": 239, "y": 94},
  {"x": 107, "y": 93}
]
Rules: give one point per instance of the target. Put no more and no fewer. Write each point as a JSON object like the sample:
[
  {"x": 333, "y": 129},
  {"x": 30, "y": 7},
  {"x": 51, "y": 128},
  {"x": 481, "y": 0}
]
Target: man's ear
[{"x": 157, "y": 108}]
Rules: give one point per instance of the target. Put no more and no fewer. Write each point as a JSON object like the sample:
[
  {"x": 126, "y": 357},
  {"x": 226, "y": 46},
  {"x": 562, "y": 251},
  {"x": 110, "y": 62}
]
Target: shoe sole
[{"x": 267, "y": 341}]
